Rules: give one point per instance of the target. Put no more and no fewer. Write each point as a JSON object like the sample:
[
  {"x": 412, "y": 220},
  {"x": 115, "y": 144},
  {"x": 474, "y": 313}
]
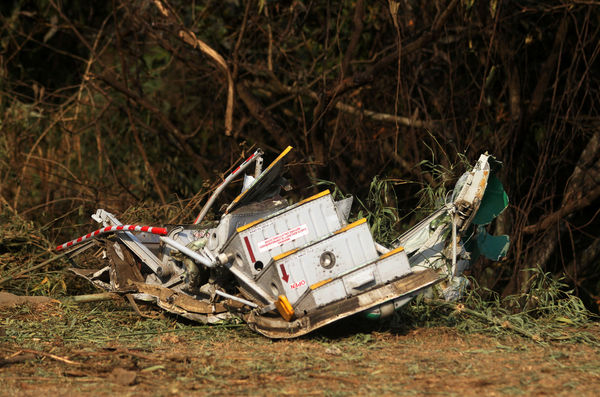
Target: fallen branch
[
  {"x": 16, "y": 358},
  {"x": 50, "y": 355},
  {"x": 100, "y": 297}
]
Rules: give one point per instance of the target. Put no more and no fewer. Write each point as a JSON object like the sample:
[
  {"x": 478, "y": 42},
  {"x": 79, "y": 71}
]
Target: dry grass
[{"x": 104, "y": 349}]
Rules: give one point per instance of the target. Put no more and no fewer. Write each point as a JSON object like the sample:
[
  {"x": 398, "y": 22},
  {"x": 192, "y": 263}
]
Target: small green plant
[
  {"x": 433, "y": 194},
  {"x": 336, "y": 192},
  {"x": 381, "y": 210}
]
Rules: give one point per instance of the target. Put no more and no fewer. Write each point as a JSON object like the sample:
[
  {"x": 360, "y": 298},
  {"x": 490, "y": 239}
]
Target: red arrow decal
[{"x": 285, "y": 277}]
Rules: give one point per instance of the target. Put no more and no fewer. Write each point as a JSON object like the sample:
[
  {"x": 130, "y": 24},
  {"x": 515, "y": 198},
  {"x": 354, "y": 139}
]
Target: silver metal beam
[
  {"x": 235, "y": 298},
  {"x": 186, "y": 251},
  {"x": 131, "y": 241}
]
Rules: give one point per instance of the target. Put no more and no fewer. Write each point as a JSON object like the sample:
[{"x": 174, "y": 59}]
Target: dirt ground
[{"x": 106, "y": 349}]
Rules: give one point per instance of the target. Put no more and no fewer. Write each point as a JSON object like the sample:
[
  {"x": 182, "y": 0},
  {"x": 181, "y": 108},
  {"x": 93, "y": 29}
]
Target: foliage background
[{"x": 118, "y": 105}]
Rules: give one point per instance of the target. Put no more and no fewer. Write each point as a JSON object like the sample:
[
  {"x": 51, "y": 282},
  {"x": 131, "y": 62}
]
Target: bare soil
[{"x": 106, "y": 350}]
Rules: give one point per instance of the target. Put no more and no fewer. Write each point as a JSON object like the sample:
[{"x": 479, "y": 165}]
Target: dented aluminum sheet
[{"x": 288, "y": 269}]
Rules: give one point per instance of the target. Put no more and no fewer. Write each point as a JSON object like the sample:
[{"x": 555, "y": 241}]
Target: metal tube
[
  {"x": 235, "y": 298},
  {"x": 453, "y": 215},
  {"x": 381, "y": 249},
  {"x": 248, "y": 282},
  {"x": 258, "y": 167},
  {"x": 113, "y": 229},
  {"x": 103, "y": 296},
  {"x": 222, "y": 186},
  {"x": 186, "y": 251}
]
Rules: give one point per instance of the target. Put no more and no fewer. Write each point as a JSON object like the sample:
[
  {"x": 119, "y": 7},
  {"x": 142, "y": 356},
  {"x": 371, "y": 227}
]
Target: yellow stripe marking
[
  {"x": 306, "y": 200},
  {"x": 350, "y": 226},
  {"x": 320, "y": 283},
  {"x": 392, "y": 252},
  {"x": 286, "y": 151},
  {"x": 311, "y": 198},
  {"x": 249, "y": 225},
  {"x": 281, "y": 256}
]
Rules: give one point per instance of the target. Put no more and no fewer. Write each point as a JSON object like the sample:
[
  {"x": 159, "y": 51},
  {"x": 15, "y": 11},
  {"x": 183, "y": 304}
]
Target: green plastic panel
[
  {"x": 494, "y": 201},
  {"x": 492, "y": 247}
]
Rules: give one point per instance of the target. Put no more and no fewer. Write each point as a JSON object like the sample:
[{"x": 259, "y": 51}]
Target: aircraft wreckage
[{"x": 288, "y": 269}]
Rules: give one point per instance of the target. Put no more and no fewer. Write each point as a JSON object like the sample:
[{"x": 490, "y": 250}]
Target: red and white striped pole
[{"x": 111, "y": 229}]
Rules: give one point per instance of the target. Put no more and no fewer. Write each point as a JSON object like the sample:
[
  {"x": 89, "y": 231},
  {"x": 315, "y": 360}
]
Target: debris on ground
[{"x": 289, "y": 269}]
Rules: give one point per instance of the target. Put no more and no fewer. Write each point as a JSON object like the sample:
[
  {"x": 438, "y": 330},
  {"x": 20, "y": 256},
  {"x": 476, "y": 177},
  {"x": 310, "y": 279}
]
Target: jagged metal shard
[{"x": 288, "y": 269}]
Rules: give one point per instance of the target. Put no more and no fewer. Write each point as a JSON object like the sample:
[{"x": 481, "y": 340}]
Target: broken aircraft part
[{"x": 288, "y": 269}]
